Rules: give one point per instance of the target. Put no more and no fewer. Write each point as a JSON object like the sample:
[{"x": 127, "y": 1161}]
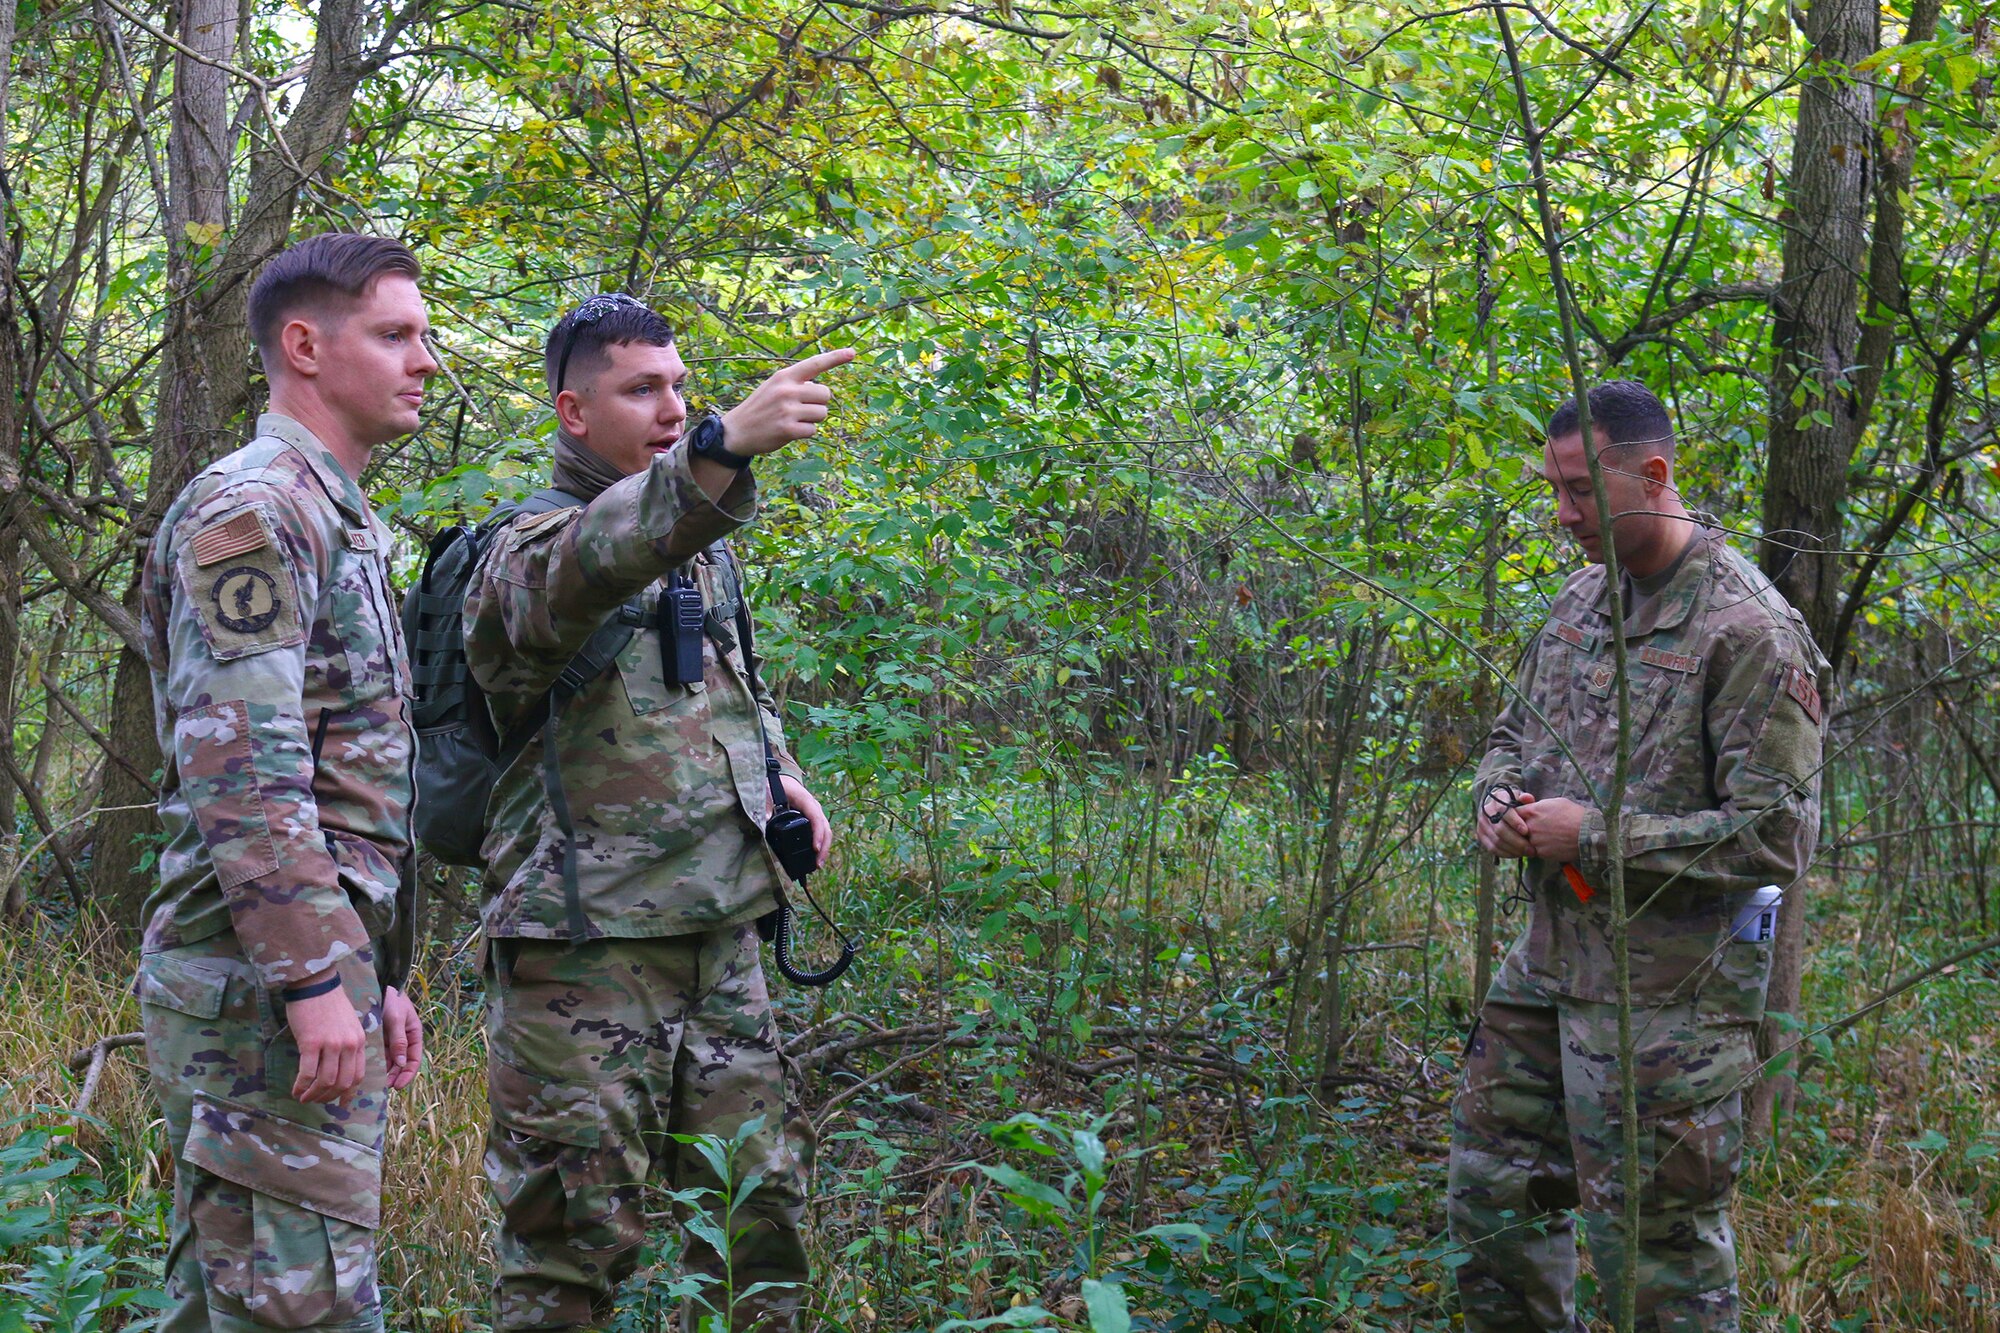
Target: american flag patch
[
  {"x": 236, "y": 534},
  {"x": 1687, "y": 663},
  {"x": 1804, "y": 689}
]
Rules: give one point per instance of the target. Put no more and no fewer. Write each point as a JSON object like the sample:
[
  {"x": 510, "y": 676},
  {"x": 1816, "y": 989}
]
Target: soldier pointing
[
  {"x": 1723, "y": 799},
  {"x": 626, "y": 869}
]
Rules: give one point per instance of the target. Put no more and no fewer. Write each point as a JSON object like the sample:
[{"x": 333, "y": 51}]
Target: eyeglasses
[{"x": 593, "y": 309}]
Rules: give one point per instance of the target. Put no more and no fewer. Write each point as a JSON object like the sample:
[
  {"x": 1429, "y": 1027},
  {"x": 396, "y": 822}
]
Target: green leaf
[
  {"x": 1030, "y": 1195},
  {"x": 1106, "y": 1303}
]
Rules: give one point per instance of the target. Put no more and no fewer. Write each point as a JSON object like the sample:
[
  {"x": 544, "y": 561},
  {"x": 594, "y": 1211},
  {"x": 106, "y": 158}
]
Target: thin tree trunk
[
  {"x": 194, "y": 365},
  {"x": 1817, "y": 411},
  {"x": 12, "y": 361}
]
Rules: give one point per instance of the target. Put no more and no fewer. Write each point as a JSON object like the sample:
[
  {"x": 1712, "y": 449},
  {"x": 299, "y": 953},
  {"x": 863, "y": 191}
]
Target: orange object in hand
[{"x": 1584, "y": 893}]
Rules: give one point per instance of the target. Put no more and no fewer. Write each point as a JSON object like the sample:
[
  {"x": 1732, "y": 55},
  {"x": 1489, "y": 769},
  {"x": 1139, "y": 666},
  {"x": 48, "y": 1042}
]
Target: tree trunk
[
  {"x": 195, "y": 372},
  {"x": 12, "y": 360},
  {"x": 205, "y": 379},
  {"x": 1815, "y": 416}
]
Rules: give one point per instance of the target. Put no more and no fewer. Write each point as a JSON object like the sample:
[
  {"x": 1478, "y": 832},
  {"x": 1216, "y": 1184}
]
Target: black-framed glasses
[{"x": 593, "y": 309}]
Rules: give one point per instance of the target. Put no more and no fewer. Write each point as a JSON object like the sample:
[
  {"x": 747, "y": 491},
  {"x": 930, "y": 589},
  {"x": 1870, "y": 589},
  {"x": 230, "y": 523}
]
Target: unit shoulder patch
[{"x": 238, "y": 586}]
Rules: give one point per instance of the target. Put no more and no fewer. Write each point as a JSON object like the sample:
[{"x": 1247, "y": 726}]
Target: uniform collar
[
  {"x": 1671, "y": 605},
  {"x": 346, "y": 495}
]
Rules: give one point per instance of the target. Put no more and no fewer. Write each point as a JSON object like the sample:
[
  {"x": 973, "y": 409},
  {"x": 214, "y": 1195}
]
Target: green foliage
[{"x": 51, "y": 1202}]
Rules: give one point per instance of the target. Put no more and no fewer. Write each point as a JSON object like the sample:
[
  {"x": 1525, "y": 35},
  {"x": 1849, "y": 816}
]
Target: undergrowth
[{"x": 1057, "y": 1095}]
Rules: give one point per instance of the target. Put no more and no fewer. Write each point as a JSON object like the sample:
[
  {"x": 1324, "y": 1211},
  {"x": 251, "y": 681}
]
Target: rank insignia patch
[{"x": 246, "y": 599}]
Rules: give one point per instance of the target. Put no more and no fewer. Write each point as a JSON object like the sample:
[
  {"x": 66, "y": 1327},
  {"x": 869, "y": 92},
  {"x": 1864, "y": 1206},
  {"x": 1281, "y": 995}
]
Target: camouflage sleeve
[
  {"x": 246, "y": 572},
  {"x": 1762, "y": 724},
  {"x": 1502, "y": 765},
  {"x": 549, "y": 582}
]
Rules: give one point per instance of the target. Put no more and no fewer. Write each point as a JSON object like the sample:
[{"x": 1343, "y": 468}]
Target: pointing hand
[{"x": 786, "y": 407}]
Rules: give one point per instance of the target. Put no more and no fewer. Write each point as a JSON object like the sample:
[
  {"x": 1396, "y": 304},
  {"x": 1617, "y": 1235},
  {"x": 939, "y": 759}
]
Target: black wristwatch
[{"x": 706, "y": 442}]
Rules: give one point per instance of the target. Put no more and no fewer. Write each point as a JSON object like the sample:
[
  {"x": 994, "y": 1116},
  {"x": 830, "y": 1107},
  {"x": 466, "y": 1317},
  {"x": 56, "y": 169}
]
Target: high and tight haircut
[
  {"x": 575, "y": 352},
  {"x": 330, "y": 272},
  {"x": 1626, "y": 415}
]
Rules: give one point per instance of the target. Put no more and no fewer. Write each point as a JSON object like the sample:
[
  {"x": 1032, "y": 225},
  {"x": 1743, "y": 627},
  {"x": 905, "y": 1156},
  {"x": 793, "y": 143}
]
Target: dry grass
[
  {"x": 1906, "y": 1253},
  {"x": 58, "y": 995},
  {"x": 435, "y": 1250}
]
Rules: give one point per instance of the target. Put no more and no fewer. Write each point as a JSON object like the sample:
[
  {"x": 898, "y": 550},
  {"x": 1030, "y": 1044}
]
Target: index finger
[{"x": 815, "y": 366}]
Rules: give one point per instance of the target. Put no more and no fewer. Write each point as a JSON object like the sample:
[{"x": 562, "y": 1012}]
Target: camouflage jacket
[
  {"x": 280, "y": 690},
  {"x": 1723, "y": 792},
  {"x": 665, "y": 783}
]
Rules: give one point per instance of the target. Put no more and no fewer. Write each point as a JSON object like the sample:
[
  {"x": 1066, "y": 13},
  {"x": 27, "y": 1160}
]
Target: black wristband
[
  {"x": 705, "y": 441},
  {"x": 292, "y": 994}
]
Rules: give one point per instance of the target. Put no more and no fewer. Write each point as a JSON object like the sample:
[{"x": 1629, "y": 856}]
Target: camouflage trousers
[
  {"x": 1537, "y": 1131},
  {"x": 596, "y": 1055},
  {"x": 275, "y": 1201}
]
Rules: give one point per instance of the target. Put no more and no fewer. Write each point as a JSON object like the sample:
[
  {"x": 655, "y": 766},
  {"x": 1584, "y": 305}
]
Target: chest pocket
[
  {"x": 1661, "y": 697},
  {"x": 357, "y": 599}
]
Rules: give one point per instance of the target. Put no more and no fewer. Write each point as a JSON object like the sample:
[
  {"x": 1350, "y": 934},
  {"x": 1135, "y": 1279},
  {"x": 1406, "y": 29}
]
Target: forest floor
[{"x": 1054, "y": 1094}]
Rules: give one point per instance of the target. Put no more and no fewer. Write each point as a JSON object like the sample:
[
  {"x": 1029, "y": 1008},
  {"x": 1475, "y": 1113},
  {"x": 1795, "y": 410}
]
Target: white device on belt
[{"x": 1758, "y": 919}]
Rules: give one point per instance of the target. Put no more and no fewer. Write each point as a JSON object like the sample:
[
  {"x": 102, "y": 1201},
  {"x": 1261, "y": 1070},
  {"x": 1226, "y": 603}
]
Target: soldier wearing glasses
[{"x": 627, "y": 999}]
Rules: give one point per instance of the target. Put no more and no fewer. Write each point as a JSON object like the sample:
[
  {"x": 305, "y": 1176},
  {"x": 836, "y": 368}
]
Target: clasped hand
[{"x": 1514, "y": 824}]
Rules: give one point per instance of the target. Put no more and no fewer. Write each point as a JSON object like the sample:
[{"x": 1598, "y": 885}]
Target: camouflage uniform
[
  {"x": 279, "y": 687},
  {"x": 657, "y": 1021},
  {"x": 1723, "y": 798}
]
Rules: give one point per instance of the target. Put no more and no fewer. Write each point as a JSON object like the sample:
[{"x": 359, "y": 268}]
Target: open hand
[{"x": 332, "y": 1048}]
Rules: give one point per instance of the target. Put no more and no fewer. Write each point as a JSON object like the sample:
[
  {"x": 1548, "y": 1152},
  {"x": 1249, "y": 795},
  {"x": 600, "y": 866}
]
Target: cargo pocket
[
  {"x": 204, "y": 1023},
  {"x": 550, "y": 1170},
  {"x": 284, "y": 1218},
  {"x": 1691, "y": 1116},
  {"x": 182, "y": 985}
]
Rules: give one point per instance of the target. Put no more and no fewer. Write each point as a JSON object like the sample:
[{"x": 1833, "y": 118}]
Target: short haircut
[
  {"x": 575, "y": 352},
  {"x": 329, "y": 273},
  {"x": 1626, "y": 414}
]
